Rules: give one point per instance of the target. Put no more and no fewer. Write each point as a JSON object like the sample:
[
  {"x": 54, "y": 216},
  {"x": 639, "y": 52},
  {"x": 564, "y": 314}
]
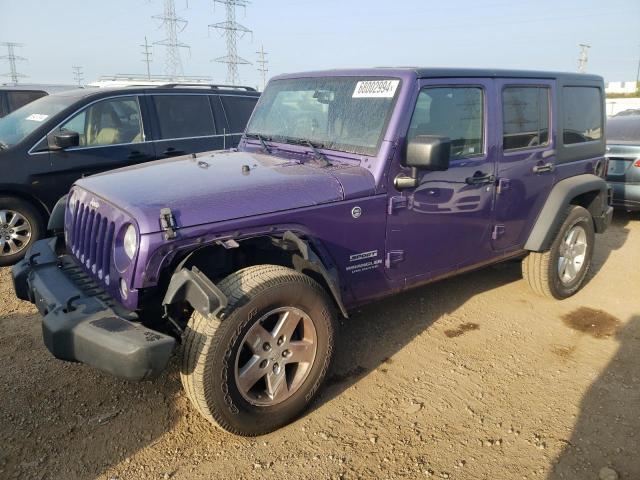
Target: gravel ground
[{"x": 470, "y": 378}]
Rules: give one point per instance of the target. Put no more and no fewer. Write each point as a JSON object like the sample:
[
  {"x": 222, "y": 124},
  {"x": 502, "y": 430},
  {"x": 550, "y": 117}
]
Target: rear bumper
[
  {"x": 83, "y": 323},
  {"x": 626, "y": 195}
]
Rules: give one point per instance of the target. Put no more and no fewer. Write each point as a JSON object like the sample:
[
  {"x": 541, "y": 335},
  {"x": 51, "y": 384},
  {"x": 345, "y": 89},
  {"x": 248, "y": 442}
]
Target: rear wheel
[
  {"x": 560, "y": 272},
  {"x": 21, "y": 224},
  {"x": 259, "y": 366}
]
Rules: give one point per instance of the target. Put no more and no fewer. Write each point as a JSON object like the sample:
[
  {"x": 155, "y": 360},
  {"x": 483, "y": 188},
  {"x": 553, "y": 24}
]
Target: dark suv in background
[
  {"x": 12, "y": 97},
  {"x": 48, "y": 144}
]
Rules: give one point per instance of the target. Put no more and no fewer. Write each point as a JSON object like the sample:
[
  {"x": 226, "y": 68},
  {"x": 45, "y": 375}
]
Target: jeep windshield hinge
[
  {"x": 396, "y": 203},
  {"x": 168, "y": 223}
]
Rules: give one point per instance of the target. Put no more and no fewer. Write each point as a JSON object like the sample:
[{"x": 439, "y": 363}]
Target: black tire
[
  {"x": 36, "y": 224},
  {"x": 541, "y": 269},
  {"x": 211, "y": 348}
]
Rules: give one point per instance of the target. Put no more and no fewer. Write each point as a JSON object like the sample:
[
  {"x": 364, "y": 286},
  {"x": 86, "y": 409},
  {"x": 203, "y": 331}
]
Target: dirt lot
[{"x": 474, "y": 377}]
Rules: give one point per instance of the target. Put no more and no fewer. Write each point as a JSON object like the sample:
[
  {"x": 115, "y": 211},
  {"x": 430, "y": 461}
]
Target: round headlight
[{"x": 130, "y": 242}]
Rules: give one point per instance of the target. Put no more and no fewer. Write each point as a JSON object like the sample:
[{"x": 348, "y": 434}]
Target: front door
[
  {"x": 445, "y": 222},
  {"x": 111, "y": 134},
  {"x": 526, "y": 158}
]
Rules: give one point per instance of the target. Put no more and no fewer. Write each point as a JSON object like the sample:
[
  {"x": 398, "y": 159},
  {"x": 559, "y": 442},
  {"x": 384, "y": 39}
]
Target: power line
[
  {"x": 232, "y": 31},
  {"x": 262, "y": 65},
  {"x": 173, "y": 24},
  {"x": 146, "y": 53},
  {"x": 78, "y": 75},
  {"x": 12, "y": 58},
  {"x": 584, "y": 57}
]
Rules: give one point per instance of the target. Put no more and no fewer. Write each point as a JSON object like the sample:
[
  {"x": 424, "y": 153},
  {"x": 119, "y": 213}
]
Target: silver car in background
[{"x": 623, "y": 152}]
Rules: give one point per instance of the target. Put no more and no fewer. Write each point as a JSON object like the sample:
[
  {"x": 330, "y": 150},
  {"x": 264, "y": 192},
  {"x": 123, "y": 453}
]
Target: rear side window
[
  {"x": 582, "y": 107},
  {"x": 525, "y": 117},
  {"x": 454, "y": 112},
  {"x": 182, "y": 116},
  {"x": 238, "y": 111},
  {"x": 19, "y": 98}
]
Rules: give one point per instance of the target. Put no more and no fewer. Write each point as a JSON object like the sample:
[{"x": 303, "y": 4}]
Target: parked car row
[
  {"x": 347, "y": 186},
  {"x": 51, "y": 142},
  {"x": 623, "y": 152}
]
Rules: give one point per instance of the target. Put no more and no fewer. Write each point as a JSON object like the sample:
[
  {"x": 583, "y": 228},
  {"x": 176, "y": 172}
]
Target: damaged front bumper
[{"x": 83, "y": 323}]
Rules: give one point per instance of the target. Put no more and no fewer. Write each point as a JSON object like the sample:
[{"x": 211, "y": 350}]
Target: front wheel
[
  {"x": 560, "y": 272},
  {"x": 259, "y": 366}
]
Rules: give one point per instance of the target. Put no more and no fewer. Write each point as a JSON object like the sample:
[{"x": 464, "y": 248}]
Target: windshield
[
  {"x": 21, "y": 122},
  {"x": 339, "y": 113}
]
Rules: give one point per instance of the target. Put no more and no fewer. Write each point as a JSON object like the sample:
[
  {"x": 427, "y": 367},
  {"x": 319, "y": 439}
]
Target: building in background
[{"x": 621, "y": 87}]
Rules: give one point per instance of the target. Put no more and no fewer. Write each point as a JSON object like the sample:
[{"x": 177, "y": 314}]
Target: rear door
[
  {"x": 112, "y": 135},
  {"x": 526, "y": 157},
  {"x": 184, "y": 123},
  {"x": 237, "y": 110}
]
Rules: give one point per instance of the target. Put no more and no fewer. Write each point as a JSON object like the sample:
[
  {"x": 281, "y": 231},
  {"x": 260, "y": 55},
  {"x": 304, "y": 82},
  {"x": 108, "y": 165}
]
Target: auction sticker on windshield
[
  {"x": 375, "y": 89},
  {"x": 37, "y": 117}
]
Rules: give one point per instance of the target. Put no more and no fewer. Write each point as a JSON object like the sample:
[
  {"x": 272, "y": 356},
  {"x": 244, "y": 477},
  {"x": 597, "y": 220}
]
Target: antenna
[
  {"x": 584, "y": 57},
  {"x": 12, "y": 58},
  {"x": 262, "y": 65},
  {"x": 173, "y": 24},
  {"x": 78, "y": 75},
  {"x": 232, "y": 30},
  {"x": 146, "y": 53}
]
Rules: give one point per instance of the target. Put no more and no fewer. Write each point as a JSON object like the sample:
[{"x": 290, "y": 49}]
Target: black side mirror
[
  {"x": 65, "y": 139},
  {"x": 429, "y": 152},
  {"x": 424, "y": 152}
]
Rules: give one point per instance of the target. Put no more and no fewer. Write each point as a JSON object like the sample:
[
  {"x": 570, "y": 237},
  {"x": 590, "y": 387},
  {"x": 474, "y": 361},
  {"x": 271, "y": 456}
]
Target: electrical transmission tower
[
  {"x": 146, "y": 53},
  {"x": 262, "y": 65},
  {"x": 78, "y": 75},
  {"x": 584, "y": 57},
  {"x": 232, "y": 31},
  {"x": 173, "y": 24},
  {"x": 12, "y": 58}
]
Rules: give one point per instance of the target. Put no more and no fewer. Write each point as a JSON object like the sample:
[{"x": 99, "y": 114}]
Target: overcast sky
[{"x": 104, "y": 36}]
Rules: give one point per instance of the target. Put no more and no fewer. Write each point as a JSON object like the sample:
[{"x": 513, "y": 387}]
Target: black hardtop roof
[{"x": 431, "y": 72}]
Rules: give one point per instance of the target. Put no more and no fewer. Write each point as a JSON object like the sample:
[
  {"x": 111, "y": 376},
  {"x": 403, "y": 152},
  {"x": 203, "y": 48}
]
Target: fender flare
[
  {"x": 308, "y": 260},
  {"x": 194, "y": 287},
  {"x": 552, "y": 214}
]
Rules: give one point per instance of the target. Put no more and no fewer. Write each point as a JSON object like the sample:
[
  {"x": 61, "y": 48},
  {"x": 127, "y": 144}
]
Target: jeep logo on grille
[{"x": 94, "y": 204}]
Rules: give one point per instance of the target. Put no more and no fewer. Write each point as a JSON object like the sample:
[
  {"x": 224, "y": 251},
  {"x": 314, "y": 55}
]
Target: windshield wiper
[
  {"x": 262, "y": 139},
  {"x": 317, "y": 154},
  {"x": 3, "y": 146}
]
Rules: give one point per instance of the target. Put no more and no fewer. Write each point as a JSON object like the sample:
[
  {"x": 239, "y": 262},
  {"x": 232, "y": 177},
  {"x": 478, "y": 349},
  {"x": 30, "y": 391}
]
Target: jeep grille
[{"x": 90, "y": 240}]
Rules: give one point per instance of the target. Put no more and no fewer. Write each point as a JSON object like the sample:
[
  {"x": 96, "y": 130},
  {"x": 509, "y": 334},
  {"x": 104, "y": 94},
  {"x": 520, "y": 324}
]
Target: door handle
[
  {"x": 547, "y": 167},
  {"x": 171, "y": 152},
  {"x": 480, "y": 178}
]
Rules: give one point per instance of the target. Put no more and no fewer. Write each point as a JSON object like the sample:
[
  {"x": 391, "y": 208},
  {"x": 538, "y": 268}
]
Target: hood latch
[{"x": 168, "y": 223}]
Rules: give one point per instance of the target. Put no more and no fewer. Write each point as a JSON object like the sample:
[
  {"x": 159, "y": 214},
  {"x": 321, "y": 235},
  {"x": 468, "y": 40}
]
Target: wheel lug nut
[
  {"x": 286, "y": 354},
  {"x": 263, "y": 363},
  {"x": 266, "y": 346},
  {"x": 276, "y": 368},
  {"x": 281, "y": 340}
]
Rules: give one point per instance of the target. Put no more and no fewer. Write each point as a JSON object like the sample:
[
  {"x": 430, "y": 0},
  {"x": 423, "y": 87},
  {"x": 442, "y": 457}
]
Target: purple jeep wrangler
[{"x": 347, "y": 186}]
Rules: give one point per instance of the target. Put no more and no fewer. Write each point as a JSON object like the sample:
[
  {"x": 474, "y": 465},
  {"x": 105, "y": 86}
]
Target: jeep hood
[{"x": 213, "y": 187}]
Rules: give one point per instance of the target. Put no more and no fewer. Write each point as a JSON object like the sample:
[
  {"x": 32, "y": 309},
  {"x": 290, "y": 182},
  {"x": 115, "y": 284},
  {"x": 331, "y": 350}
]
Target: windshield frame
[
  {"x": 335, "y": 147},
  {"x": 72, "y": 101}
]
